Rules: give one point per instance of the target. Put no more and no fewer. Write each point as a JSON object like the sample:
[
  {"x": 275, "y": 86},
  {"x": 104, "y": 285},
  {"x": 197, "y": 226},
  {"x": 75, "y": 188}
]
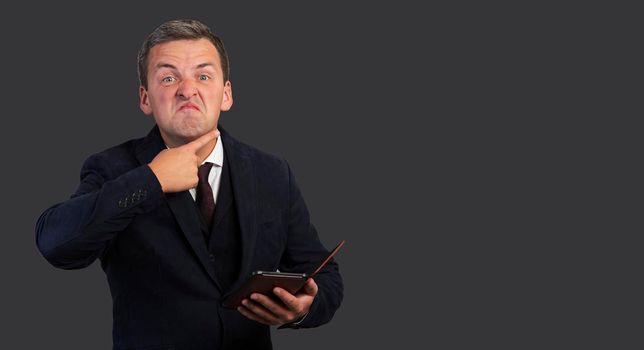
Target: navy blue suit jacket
[{"x": 164, "y": 289}]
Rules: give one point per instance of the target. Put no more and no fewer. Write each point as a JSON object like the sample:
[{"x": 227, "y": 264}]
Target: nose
[{"x": 187, "y": 89}]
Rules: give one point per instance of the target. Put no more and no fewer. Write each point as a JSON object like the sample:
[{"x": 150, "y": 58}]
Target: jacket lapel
[
  {"x": 181, "y": 204},
  {"x": 242, "y": 176}
]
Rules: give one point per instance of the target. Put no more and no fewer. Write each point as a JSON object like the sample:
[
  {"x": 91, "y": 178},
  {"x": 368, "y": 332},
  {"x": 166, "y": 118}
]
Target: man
[{"x": 145, "y": 209}]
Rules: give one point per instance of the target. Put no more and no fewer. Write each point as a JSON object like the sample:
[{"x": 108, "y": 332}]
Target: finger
[
  {"x": 310, "y": 288},
  {"x": 248, "y": 314},
  {"x": 260, "y": 311},
  {"x": 287, "y": 298},
  {"x": 195, "y": 145},
  {"x": 276, "y": 308}
]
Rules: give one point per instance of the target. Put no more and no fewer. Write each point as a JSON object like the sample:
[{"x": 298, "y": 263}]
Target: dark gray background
[{"x": 478, "y": 159}]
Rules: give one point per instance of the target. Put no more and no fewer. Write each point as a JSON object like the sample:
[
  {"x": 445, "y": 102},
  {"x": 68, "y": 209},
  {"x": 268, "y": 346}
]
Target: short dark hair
[{"x": 181, "y": 29}]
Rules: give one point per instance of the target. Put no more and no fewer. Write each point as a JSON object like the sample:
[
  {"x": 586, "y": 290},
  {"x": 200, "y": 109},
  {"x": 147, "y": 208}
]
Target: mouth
[{"x": 187, "y": 106}]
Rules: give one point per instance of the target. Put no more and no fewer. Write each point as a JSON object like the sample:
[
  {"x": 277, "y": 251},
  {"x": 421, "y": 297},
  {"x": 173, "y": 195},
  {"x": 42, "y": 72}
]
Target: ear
[
  {"x": 144, "y": 101},
  {"x": 227, "y": 98}
]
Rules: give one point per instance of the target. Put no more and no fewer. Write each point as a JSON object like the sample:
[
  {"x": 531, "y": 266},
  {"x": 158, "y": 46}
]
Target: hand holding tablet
[{"x": 263, "y": 282}]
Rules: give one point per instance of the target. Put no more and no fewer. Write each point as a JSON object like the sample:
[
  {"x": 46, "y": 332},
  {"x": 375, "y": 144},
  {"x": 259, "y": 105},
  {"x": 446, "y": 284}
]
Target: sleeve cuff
[{"x": 295, "y": 324}]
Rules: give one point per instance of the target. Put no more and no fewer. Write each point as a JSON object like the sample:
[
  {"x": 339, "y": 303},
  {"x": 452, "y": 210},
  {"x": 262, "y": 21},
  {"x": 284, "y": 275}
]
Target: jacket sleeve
[
  {"x": 72, "y": 234},
  {"x": 303, "y": 251}
]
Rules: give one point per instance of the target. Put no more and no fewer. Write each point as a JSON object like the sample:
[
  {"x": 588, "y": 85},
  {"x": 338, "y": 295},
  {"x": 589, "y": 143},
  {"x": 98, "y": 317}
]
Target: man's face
[{"x": 186, "y": 91}]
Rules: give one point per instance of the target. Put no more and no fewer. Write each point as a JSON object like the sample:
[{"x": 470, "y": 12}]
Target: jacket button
[{"x": 211, "y": 257}]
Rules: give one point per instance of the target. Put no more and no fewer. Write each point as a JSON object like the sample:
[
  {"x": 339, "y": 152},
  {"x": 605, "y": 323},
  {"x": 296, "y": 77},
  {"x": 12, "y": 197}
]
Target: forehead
[{"x": 184, "y": 51}]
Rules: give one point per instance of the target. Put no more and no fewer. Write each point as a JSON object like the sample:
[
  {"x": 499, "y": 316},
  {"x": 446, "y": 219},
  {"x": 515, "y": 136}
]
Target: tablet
[{"x": 264, "y": 281}]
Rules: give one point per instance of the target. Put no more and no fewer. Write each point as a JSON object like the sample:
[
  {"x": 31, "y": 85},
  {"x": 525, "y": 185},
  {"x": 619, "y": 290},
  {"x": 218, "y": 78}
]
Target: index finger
[{"x": 195, "y": 145}]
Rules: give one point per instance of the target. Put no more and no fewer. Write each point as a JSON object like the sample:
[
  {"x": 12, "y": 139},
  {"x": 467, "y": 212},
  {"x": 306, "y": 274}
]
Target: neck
[
  {"x": 205, "y": 151},
  {"x": 202, "y": 153}
]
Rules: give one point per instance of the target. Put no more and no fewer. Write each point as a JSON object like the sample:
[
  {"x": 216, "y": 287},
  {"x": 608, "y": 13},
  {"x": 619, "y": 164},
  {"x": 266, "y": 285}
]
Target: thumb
[
  {"x": 195, "y": 145},
  {"x": 310, "y": 287}
]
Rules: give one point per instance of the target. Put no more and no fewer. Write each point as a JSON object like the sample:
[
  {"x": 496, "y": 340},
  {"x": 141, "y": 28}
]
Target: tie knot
[{"x": 204, "y": 170}]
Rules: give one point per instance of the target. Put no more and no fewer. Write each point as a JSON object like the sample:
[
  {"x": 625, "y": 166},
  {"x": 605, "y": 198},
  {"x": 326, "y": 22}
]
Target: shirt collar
[{"x": 217, "y": 155}]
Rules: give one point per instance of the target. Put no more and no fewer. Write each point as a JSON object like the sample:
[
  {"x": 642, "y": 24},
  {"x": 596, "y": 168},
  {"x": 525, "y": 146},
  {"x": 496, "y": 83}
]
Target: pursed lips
[{"x": 188, "y": 106}]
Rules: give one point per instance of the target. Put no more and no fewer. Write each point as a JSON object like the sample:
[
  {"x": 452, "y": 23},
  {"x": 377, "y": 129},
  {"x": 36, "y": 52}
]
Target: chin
[
  {"x": 191, "y": 134},
  {"x": 192, "y": 129}
]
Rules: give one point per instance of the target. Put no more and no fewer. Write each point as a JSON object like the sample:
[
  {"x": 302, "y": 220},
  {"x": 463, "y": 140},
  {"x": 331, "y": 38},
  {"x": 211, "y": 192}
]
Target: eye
[
  {"x": 204, "y": 77},
  {"x": 168, "y": 79}
]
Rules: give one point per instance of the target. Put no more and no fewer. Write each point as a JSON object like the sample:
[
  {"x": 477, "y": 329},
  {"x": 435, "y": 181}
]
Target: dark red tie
[{"x": 204, "y": 199}]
